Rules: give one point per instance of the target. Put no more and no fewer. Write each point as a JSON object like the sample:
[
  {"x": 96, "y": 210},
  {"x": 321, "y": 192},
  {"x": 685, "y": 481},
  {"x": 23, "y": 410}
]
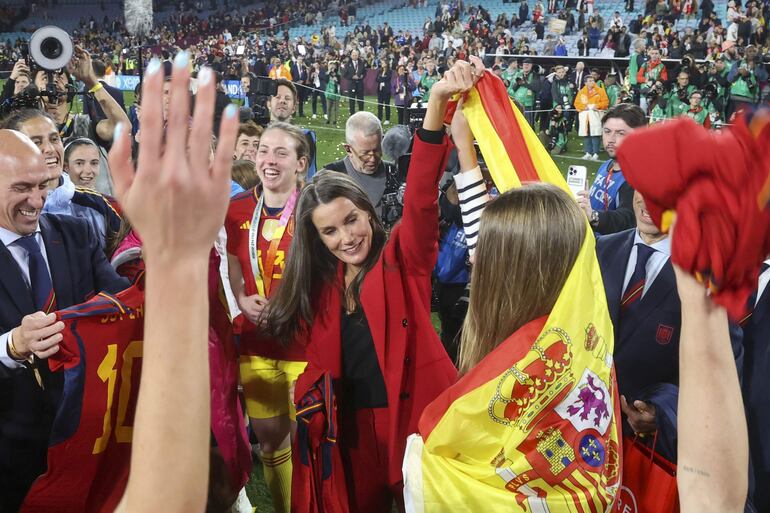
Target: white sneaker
[
  {"x": 326, "y": 116},
  {"x": 387, "y": 122},
  {"x": 587, "y": 156},
  {"x": 595, "y": 156},
  {"x": 314, "y": 116}
]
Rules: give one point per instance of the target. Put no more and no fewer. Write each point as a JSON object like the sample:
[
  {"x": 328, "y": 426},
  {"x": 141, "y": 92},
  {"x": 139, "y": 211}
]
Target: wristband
[
  {"x": 97, "y": 87},
  {"x": 12, "y": 351}
]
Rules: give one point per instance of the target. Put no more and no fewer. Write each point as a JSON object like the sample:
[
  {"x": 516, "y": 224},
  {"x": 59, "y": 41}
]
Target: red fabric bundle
[{"x": 717, "y": 183}]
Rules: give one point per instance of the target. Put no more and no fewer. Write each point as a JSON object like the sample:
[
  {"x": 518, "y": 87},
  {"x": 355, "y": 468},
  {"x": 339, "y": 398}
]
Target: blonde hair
[{"x": 529, "y": 239}]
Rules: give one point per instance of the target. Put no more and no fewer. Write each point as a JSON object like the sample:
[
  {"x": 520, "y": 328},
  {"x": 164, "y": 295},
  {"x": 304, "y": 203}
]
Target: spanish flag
[{"x": 534, "y": 426}]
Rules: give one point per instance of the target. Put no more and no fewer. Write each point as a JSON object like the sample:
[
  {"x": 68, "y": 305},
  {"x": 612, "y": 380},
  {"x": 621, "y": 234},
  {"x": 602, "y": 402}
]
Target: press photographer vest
[{"x": 604, "y": 191}]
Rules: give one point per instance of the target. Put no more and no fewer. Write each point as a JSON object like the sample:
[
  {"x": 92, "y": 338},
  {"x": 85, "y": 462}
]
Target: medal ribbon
[{"x": 263, "y": 275}]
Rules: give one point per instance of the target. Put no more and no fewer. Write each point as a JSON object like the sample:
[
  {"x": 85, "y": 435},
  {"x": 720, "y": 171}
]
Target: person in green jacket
[
  {"x": 430, "y": 77},
  {"x": 333, "y": 94},
  {"x": 612, "y": 88},
  {"x": 678, "y": 100},
  {"x": 696, "y": 111}
]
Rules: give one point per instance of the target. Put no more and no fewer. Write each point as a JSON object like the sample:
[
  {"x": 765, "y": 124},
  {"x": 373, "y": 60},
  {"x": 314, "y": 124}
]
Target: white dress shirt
[
  {"x": 21, "y": 257},
  {"x": 764, "y": 279},
  {"x": 654, "y": 264}
]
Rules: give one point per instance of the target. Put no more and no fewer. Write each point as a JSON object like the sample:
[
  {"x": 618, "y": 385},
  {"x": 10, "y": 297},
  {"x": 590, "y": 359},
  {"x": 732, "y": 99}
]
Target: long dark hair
[{"x": 310, "y": 265}]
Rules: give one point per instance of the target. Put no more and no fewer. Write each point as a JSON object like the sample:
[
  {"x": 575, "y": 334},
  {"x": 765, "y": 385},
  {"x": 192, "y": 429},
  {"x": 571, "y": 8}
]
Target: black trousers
[
  {"x": 401, "y": 111},
  {"x": 451, "y": 319},
  {"x": 314, "y": 98},
  {"x": 356, "y": 92},
  {"x": 383, "y": 102}
]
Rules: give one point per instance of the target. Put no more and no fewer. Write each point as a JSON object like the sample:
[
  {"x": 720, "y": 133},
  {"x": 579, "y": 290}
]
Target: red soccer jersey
[
  {"x": 237, "y": 225},
  {"x": 90, "y": 447}
]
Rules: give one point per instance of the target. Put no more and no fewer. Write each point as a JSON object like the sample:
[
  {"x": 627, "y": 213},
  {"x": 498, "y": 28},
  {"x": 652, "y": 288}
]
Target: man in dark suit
[
  {"x": 300, "y": 75},
  {"x": 646, "y": 314},
  {"x": 578, "y": 77},
  {"x": 47, "y": 262},
  {"x": 354, "y": 72},
  {"x": 756, "y": 329}
]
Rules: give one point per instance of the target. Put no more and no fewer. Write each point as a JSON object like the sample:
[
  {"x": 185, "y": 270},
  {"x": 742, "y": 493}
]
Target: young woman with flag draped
[
  {"x": 260, "y": 227},
  {"x": 531, "y": 424},
  {"x": 374, "y": 359}
]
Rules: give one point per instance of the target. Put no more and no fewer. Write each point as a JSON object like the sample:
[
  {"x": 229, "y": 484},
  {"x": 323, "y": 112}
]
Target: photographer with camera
[
  {"x": 744, "y": 78},
  {"x": 19, "y": 80},
  {"x": 379, "y": 179},
  {"x": 678, "y": 100},
  {"x": 697, "y": 112},
  {"x": 657, "y": 100}
]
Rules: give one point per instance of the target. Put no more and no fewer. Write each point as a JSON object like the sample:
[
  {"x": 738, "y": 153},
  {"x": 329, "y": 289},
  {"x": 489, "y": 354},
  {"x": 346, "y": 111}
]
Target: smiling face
[
  {"x": 277, "y": 164},
  {"x": 83, "y": 165},
  {"x": 282, "y": 105},
  {"x": 25, "y": 181},
  {"x": 345, "y": 230},
  {"x": 246, "y": 148},
  {"x": 647, "y": 229},
  {"x": 46, "y": 137}
]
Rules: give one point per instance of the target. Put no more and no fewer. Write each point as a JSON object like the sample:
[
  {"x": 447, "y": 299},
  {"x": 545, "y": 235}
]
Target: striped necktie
[
  {"x": 635, "y": 288},
  {"x": 40, "y": 279}
]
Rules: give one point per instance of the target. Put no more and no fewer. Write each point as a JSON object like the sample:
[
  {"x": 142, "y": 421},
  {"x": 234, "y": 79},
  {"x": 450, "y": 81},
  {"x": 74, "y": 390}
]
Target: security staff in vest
[
  {"x": 47, "y": 262},
  {"x": 364, "y": 164},
  {"x": 608, "y": 203}
]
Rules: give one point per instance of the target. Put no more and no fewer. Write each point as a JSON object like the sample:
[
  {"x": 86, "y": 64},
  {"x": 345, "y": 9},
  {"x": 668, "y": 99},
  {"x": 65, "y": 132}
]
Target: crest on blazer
[{"x": 663, "y": 334}]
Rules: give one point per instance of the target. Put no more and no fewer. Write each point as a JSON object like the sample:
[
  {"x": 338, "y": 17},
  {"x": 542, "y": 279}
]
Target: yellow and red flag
[{"x": 533, "y": 427}]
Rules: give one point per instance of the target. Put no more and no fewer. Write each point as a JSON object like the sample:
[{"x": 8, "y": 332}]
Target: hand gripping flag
[
  {"x": 718, "y": 184},
  {"x": 532, "y": 428}
]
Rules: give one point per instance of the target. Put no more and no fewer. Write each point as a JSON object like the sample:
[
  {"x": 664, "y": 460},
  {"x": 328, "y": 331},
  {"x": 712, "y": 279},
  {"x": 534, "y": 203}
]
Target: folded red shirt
[{"x": 718, "y": 185}]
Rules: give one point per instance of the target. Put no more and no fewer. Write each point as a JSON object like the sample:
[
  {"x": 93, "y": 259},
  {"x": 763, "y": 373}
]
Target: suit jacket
[
  {"x": 349, "y": 71},
  {"x": 756, "y": 382},
  {"x": 395, "y": 296},
  {"x": 79, "y": 269},
  {"x": 647, "y": 343},
  {"x": 573, "y": 75}
]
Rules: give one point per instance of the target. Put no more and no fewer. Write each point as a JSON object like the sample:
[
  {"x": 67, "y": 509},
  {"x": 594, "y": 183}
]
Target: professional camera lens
[{"x": 51, "y": 48}]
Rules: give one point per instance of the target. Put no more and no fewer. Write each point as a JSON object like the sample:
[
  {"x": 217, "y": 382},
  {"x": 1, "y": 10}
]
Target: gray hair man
[{"x": 363, "y": 163}]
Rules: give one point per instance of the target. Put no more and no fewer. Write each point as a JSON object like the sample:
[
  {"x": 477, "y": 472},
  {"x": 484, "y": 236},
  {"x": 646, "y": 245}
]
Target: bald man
[{"x": 47, "y": 262}]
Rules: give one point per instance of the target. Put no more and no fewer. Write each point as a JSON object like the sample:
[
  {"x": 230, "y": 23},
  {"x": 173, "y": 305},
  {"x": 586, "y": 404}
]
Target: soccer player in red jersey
[{"x": 260, "y": 227}]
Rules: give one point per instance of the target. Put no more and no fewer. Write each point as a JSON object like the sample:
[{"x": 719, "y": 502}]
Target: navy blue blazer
[
  {"x": 756, "y": 383},
  {"x": 647, "y": 344},
  {"x": 79, "y": 269}
]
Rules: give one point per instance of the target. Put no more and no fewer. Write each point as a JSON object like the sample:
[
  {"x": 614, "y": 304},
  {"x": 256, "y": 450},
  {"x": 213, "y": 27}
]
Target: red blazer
[{"x": 396, "y": 297}]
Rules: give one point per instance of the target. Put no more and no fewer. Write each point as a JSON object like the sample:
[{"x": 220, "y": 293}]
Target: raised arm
[
  {"x": 418, "y": 232},
  {"x": 80, "y": 66},
  {"x": 713, "y": 439},
  {"x": 176, "y": 201},
  {"x": 471, "y": 188}
]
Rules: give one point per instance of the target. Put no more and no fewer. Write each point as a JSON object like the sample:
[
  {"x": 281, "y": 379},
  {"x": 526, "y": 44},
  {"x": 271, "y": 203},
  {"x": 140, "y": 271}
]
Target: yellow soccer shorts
[{"x": 266, "y": 386}]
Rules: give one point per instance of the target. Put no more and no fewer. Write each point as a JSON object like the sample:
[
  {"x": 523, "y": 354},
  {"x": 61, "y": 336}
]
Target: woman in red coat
[{"x": 374, "y": 359}]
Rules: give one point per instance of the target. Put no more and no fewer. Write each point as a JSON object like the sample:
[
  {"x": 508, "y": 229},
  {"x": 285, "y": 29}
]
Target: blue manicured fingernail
[
  {"x": 118, "y": 131},
  {"x": 153, "y": 67},
  {"x": 204, "y": 77},
  {"x": 181, "y": 60},
  {"x": 231, "y": 111}
]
